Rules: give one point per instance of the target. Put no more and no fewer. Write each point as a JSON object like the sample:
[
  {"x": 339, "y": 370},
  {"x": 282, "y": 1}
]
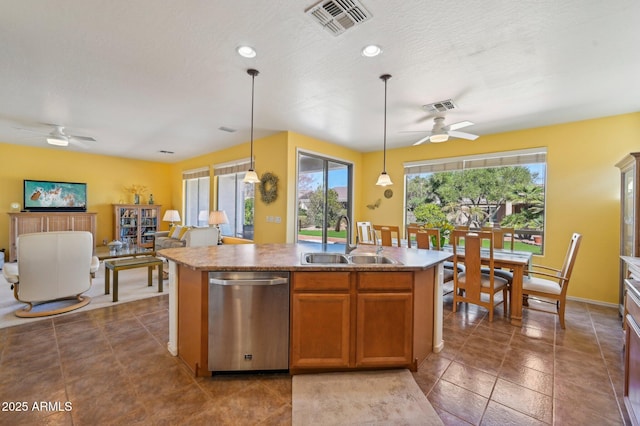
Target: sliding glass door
[{"x": 324, "y": 194}]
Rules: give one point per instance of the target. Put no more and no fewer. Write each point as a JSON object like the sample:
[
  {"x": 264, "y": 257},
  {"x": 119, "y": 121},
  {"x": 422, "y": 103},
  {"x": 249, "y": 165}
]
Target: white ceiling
[{"x": 143, "y": 76}]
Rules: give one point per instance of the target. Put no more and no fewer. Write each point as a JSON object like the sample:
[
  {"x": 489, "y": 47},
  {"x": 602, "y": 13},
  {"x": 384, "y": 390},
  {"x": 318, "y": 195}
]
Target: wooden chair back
[
  {"x": 472, "y": 283},
  {"x": 499, "y": 234},
  {"x": 428, "y": 238},
  {"x": 412, "y": 231},
  {"x": 386, "y": 234},
  {"x": 365, "y": 233}
]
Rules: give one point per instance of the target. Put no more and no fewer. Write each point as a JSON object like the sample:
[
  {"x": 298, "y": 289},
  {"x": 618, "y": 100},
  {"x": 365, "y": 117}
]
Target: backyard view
[{"x": 510, "y": 196}]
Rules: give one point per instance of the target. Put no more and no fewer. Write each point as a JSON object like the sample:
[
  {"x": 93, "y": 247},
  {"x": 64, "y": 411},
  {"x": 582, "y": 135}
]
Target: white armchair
[{"x": 52, "y": 266}]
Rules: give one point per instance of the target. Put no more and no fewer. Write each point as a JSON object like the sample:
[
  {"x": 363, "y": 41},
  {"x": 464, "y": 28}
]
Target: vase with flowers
[
  {"x": 445, "y": 229},
  {"x": 136, "y": 191}
]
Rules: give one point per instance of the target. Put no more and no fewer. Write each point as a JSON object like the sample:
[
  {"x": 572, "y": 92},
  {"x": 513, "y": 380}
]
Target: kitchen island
[{"x": 343, "y": 316}]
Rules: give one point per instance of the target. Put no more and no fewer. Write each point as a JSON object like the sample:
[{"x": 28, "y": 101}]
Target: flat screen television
[{"x": 50, "y": 196}]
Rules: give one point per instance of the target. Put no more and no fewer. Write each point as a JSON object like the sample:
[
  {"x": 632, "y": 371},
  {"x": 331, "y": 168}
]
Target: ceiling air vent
[
  {"x": 337, "y": 16},
  {"x": 442, "y": 106}
]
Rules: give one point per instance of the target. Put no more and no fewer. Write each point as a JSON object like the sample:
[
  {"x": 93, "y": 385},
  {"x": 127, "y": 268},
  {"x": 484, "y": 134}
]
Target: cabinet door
[
  {"x": 127, "y": 225},
  {"x": 148, "y": 225},
  {"x": 384, "y": 330},
  {"x": 58, "y": 223},
  {"x": 632, "y": 369},
  {"x": 320, "y": 330},
  {"x": 82, "y": 223}
]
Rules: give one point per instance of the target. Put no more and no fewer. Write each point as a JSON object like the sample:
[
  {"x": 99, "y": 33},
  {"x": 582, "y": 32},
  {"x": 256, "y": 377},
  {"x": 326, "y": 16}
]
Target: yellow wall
[
  {"x": 583, "y": 187},
  {"x": 105, "y": 176}
]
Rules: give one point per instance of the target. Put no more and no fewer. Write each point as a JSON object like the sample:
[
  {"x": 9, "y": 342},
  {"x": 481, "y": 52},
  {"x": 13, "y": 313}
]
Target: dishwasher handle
[{"x": 249, "y": 281}]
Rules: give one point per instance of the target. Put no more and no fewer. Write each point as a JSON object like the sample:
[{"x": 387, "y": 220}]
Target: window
[
  {"x": 196, "y": 197},
  {"x": 236, "y": 198},
  {"x": 324, "y": 194},
  {"x": 499, "y": 189}
]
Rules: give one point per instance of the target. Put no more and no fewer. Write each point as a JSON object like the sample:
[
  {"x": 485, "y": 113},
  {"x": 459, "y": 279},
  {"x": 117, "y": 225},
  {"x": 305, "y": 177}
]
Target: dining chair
[
  {"x": 555, "y": 282},
  {"x": 499, "y": 234},
  {"x": 386, "y": 233},
  {"x": 429, "y": 238},
  {"x": 498, "y": 243},
  {"x": 470, "y": 286},
  {"x": 365, "y": 233},
  {"x": 412, "y": 231}
]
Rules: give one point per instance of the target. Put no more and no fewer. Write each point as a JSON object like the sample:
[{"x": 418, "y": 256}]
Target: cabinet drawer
[
  {"x": 632, "y": 305},
  {"x": 385, "y": 281},
  {"x": 335, "y": 281}
]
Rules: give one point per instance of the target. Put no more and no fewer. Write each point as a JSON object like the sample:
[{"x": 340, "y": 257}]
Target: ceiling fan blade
[
  {"x": 463, "y": 135},
  {"x": 83, "y": 138},
  {"x": 460, "y": 125},
  {"x": 423, "y": 140},
  {"x": 31, "y": 131}
]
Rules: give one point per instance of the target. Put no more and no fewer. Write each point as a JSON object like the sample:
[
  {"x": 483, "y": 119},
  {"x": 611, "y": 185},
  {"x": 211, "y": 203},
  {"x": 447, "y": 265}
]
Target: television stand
[{"x": 30, "y": 222}]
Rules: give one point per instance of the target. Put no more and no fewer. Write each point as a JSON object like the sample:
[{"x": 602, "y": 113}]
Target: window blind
[
  {"x": 497, "y": 159},
  {"x": 195, "y": 173},
  {"x": 227, "y": 169}
]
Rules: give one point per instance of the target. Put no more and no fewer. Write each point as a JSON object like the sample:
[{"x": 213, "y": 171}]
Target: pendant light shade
[
  {"x": 251, "y": 176},
  {"x": 384, "y": 179}
]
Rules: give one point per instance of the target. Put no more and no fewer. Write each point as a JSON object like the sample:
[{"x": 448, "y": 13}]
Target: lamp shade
[
  {"x": 384, "y": 180},
  {"x": 171, "y": 216},
  {"x": 251, "y": 177},
  {"x": 218, "y": 217}
]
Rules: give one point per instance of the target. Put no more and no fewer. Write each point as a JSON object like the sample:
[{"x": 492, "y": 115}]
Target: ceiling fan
[
  {"x": 59, "y": 137},
  {"x": 442, "y": 132}
]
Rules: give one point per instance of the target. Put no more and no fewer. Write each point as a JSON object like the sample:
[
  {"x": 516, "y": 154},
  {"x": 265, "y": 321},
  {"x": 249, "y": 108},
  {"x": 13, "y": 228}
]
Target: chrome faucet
[{"x": 348, "y": 248}]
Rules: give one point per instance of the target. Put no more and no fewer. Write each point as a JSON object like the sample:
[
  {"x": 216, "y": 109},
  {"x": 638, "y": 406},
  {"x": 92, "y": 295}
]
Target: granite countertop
[{"x": 281, "y": 257}]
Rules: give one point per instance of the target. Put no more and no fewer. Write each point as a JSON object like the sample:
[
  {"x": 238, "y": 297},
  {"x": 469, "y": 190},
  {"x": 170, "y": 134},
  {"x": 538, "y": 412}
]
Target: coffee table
[
  {"x": 117, "y": 265},
  {"x": 103, "y": 252}
]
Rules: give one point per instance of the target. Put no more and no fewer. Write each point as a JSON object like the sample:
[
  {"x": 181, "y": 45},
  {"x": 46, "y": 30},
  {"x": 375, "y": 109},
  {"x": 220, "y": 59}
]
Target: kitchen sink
[
  {"x": 337, "y": 258},
  {"x": 331, "y": 258},
  {"x": 371, "y": 258}
]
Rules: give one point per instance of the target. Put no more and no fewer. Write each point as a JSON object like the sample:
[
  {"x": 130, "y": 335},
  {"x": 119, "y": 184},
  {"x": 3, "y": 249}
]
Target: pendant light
[
  {"x": 251, "y": 176},
  {"x": 384, "y": 179}
]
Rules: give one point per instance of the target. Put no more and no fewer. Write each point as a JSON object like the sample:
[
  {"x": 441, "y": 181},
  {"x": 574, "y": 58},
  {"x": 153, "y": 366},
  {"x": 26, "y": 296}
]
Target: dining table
[{"x": 514, "y": 260}]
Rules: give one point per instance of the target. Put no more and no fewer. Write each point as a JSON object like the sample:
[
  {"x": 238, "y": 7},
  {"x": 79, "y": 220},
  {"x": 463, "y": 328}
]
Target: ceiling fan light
[
  {"x": 384, "y": 180},
  {"x": 251, "y": 177},
  {"x": 442, "y": 137},
  {"x": 57, "y": 141}
]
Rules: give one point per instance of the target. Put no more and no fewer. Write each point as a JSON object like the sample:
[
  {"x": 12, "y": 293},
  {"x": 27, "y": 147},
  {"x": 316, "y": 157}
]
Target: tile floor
[{"x": 112, "y": 366}]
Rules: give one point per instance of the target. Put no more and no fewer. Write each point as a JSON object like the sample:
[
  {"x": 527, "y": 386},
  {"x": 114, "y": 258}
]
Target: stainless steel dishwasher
[{"x": 248, "y": 321}]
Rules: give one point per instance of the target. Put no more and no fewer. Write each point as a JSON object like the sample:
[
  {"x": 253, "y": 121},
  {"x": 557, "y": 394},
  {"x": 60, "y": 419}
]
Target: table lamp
[
  {"x": 218, "y": 217},
  {"x": 171, "y": 216}
]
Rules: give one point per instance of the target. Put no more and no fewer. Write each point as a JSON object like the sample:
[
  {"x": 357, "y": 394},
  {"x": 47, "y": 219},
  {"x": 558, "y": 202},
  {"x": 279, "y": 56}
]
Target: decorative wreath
[{"x": 268, "y": 187}]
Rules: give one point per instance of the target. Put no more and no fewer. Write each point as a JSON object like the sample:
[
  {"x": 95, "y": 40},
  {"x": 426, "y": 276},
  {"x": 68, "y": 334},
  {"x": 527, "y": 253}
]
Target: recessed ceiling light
[
  {"x": 246, "y": 51},
  {"x": 371, "y": 50}
]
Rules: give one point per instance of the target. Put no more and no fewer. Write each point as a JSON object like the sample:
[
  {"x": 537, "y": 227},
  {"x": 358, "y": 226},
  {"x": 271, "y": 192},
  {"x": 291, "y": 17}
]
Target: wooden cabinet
[
  {"x": 29, "y": 222},
  {"x": 384, "y": 319},
  {"x": 193, "y": 327},
  {"x": 629, "y": 213},
  {"x": 632, "y": 351},
  {"x": 346, "y": 320},
  {"x": 136, "y": 223},
  {"x": 321, "y": 335}
]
